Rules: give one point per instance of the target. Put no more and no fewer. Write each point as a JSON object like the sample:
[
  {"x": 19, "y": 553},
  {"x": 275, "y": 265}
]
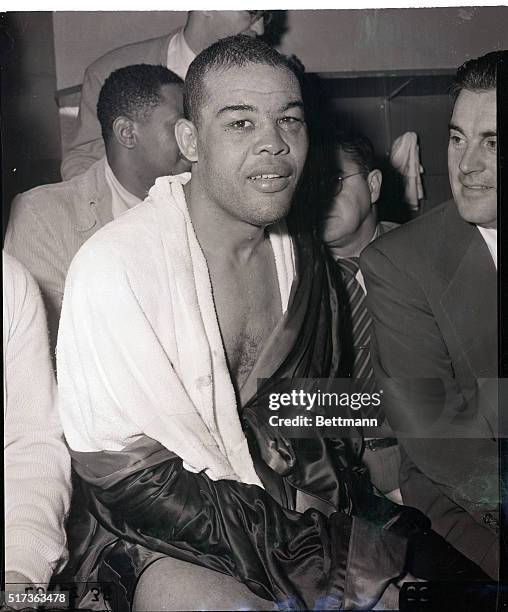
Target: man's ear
[
  {"x": 374, "y": 181},
  {"x": 187, "y": 136},
  {"x": 125, "y": 132}
]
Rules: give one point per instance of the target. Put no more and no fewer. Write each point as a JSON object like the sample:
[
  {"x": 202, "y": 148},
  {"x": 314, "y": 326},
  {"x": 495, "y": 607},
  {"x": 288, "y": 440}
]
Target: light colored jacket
[{"x": 48, "y": 225}]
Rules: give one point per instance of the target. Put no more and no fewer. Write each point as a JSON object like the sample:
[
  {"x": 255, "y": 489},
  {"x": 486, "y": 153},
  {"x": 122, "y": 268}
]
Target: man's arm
[
  {"x": 33, "y": 241},
  {"x": 87, "y": 146},
  {"x": 421, "y": 398},
  {"x": 37, "y": 464}
]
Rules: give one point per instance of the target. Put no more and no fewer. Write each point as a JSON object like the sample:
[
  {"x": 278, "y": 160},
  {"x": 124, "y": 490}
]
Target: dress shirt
[
  {"x": 359, "y": 275},
  {"x": 490, "y": 237},
  {"x": 121, "y": 199},
  {"x": 180, "y": 55}
]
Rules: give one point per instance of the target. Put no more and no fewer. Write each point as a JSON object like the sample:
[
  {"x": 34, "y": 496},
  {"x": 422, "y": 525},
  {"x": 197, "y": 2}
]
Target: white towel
[
  {"x": 140, "y": 350},
  {"x": 219, "y": 409},
  {"x": 405, "y": 157}
]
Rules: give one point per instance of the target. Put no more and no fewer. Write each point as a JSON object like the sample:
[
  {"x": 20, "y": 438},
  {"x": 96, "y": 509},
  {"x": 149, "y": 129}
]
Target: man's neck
[
  {"x": 352, "y": 246},
  {"x": 129, "y": 177},
  {"x": 219, "y": 234}
]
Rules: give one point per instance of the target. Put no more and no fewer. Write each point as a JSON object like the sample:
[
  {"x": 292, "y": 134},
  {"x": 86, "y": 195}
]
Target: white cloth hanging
[{"x": 405, "y": 157}]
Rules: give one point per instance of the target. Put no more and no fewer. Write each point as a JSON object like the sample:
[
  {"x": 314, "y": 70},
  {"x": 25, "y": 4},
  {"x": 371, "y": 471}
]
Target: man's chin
[
  {"x": 477, "y": 214},
  {"x": 270, "y": 217}
]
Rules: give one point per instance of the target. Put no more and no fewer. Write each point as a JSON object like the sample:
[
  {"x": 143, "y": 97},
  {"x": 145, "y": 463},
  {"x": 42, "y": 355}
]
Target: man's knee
[{"x": 170, "y": 584}]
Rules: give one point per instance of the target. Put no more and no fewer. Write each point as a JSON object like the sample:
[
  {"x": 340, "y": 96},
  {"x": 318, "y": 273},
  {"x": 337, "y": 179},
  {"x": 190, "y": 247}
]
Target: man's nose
[
  {"x": 270, "y": 141},
  {"x": 258, "y": 27},
  {"x": 472, "y": 159}
]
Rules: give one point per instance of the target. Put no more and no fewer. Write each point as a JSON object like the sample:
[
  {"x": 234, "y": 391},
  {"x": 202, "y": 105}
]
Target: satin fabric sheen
[{"x": 140, "y": 503}]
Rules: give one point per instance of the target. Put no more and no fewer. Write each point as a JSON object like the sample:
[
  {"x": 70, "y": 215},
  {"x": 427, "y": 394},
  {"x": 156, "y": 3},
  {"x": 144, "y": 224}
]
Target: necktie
[{"x": 360, "y": 323}]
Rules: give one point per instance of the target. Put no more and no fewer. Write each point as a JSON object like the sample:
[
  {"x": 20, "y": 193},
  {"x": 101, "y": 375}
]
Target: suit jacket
[
  {"x": 48, "y": 225},
  {"x": 88, "y": 146},
  {"x": 432, "y": 292}
]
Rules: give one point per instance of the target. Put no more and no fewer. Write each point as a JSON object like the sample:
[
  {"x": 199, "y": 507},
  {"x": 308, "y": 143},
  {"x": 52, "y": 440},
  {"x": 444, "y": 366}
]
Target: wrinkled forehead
[{"x": 250, "y": 84}]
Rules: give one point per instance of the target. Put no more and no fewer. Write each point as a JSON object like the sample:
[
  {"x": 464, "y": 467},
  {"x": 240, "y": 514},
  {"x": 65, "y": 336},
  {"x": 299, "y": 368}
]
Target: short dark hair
[
  {"x": 231, "y": 52},
  {"x": 358, "y": 147},
  {"x": 477, "y": 74},
  {"x": 133, "y": 92}
]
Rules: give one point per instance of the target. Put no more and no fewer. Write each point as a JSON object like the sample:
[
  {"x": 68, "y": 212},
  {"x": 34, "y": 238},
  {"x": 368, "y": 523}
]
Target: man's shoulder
[
  {"x": 135, "y": 226},
  {"x": 142, "y": 52},
  {"x": 124, "y": 251},
  {"x": 417, "y": 235},
  {"x": 387, "y": 226},
  {"x": 14, "y": 271},
  {"x": 18, "y": 283},
  {"x": 63, "y": 196}
]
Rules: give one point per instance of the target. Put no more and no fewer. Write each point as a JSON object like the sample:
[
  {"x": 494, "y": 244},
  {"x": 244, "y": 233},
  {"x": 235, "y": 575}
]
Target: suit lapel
[
  {"x": 470, "y": 300},
  {"x": 94, "y": 205}
]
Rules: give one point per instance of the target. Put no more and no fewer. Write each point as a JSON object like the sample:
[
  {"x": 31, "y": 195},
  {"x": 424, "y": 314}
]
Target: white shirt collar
[
  {"x": 490, "y": 237},
  {"x": 180, "y": 55},
  {"x": 121, "y": 199},
  {"x": 359, "y": 275}
]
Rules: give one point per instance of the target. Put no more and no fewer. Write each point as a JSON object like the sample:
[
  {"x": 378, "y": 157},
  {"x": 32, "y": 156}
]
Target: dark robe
[{"x": 140, "y": 504}]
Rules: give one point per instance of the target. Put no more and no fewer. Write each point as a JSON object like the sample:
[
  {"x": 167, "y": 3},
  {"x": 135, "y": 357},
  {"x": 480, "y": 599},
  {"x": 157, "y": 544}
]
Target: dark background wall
[
  {"x": 363, "y": 56},
  {"x": 325, "y": 40},
  {"x": 29, "y": 114}
]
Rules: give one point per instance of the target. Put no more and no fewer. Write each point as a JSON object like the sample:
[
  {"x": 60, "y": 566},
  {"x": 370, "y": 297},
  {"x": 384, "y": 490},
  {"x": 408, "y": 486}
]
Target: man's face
[
  {"x": 350, "y": 208},
  {"x": 157, "y": 150},
  {"x": 251, "y": 142},
  {"x": 230, "y": 23},
  {"x": 472, "y": 149}
]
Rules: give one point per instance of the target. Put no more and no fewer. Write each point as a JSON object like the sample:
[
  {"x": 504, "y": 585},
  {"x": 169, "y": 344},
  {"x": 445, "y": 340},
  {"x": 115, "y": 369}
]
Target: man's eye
[
  {"x": 491, "y": 144},
  {"x": 240, "y": 124},
  {"x": 290, "y": 122},
  {"x": 456, "y": 140}
]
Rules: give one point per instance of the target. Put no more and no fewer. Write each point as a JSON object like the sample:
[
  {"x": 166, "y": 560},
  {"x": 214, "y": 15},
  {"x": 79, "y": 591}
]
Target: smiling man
[
  {"x": 432, "y": 289},
  {"x": 161, "y": 348}
]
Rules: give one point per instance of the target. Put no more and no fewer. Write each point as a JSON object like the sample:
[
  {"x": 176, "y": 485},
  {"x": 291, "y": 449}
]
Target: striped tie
[{"x": 361, "y": 323}]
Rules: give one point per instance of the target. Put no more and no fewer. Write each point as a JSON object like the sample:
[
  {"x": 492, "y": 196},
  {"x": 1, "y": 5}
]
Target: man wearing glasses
[
  {"x": 175, "y": 51},
  {"x": 349, "y": 224}
]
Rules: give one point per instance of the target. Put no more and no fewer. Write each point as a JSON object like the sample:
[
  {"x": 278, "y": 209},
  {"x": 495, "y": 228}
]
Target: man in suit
[
  {"x": 432, "y": 292},
  {"x": 349, "y": 224},
  {"x": 175, "y": 51},
  {"x": 137, "y": 108}
]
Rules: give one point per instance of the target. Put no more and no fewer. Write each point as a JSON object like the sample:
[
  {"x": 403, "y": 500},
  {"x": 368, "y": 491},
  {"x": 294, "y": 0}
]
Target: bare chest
[{"x": 248, "y": 306}]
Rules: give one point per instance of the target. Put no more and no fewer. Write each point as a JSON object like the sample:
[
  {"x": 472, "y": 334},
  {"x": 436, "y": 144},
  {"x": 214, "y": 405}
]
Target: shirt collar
[
  {"x": 490, "y": 237},
  {"x": 122, "y": 199}
]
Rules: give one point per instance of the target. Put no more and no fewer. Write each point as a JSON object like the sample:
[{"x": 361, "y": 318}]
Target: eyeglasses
[
  {"x": 257, "y": 15},
  {"x": 337, "y": 182}
]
